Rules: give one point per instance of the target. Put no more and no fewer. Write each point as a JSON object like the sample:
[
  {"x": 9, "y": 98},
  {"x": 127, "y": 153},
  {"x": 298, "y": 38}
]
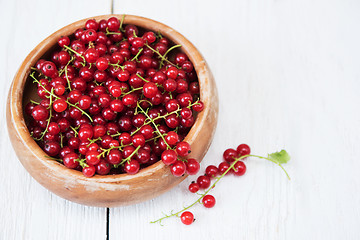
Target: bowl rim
[{"x": 16, "y": 94}]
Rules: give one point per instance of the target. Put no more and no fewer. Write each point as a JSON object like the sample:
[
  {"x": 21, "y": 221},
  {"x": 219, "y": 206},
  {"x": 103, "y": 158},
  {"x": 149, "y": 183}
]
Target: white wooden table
[{"x": 288, "y": 77}]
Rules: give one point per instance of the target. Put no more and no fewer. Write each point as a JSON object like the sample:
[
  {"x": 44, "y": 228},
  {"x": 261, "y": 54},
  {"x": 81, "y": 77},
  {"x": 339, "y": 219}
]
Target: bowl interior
[{"x": 49, "y": 45}]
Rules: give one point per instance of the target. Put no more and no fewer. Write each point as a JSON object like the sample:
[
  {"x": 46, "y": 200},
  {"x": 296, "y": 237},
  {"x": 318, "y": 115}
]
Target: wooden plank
[
  {"x": 28, "y": 211},
  {"x": 287, "y": 74}
]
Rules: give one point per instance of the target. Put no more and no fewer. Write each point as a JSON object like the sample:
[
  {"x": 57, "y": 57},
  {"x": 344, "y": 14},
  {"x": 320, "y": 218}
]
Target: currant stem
[
  {"x": 49, "y": 119},
  {"x": 271, "y": 160},
  {"x": 152, "y": 121},
  {"x": 52, "y": 94},
  {"x": 161, "y": 56},
  {"x": 213, "y": 185},
  {"x": 72, "y": 50},
  {"x": 173, "y": 47},
  {"x": 136, "y": 56},
  {"x": 202, "y": 195}
]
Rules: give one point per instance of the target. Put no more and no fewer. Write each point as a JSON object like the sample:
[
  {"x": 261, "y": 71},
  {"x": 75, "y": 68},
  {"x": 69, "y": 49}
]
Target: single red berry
[
  {"x": 204, "y": 181},
  {"x": 102, "y": 63},
  {"x": 243, "y": 149},
  {"x": 230, "y": 155},
  {"x": 64, "y": 41},
  {"x": 187, "y": 218},
  {"x": 40, "y": 113},
  {"x": 208, "y": 201},
  {"x": 178, "y": 168},
  {"x": 211, "y": 171},
  {"x": 59, "y": 105},
  {"x": 239, "y": 168},
  {"x": 52, "y": 148},
  {"x": 223, "y": 167},
  {"x": 172, "y": 138},
  {"x": 92, "y": 157},
  {"x": 132, "y": 167},
  {"x": 103, "y": 167},
  {"x": 70, "y": 160},
  {"x": 113, "y": 24},
  {"x": 89, "y": 171},
  {"x": 183, "y": 149},
  {"x": 169, "y": 157},
  {"x": 138, "y": 140},
  {"x": 199, "y": 106},
  {"x": 192, "y": 166},
  {"x": 114, "y": 156},
  {"x": 150, "y": 89},
  {"x": 194, "y": 187}
]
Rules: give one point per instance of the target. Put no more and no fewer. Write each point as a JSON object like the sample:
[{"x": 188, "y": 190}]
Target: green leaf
[{"x": 280, "y": 157}]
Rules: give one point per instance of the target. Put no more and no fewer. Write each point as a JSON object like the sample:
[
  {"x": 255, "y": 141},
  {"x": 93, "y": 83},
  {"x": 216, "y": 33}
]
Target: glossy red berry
[
  {"x": 243, "y": 149},
  {"x": 89, "y": 171},
  {"x": 194, "y": 187},
  {"x": 40, "y": 113},
  {"x": 192, "y": 166},
  {"x": 211, "y": 171},
  {"x": 223, "y": 167},
  {"x": 230, "y": 155},
  {"x": 187, "y": 218},
  {"x": 208, "y": 201},
  {"x": 132, "y": 167},
  {"x": 204, "y": 181},
  {"x": 183, "y": 149},
  {"x": 178, "y": 168},
  {"x": 169, "y": 157},
  {"x": 60, "y": 105},
  {"x": 70, "y": 160},
  {"x": 239, "y": 168}
]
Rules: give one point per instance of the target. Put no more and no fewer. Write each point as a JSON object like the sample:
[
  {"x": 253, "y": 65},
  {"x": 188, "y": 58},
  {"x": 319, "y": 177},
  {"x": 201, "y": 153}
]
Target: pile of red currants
[{"x": 113, "y": 99}]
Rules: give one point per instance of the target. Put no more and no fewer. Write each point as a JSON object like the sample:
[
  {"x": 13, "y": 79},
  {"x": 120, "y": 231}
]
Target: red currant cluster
[
  {"x": 232, "y": 164},
  {"x": 114, "y": 100},
  {"x": 204, "y": 181}
]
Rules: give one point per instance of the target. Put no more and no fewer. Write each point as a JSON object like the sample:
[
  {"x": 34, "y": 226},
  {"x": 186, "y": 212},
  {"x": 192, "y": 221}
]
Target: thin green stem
[
  {"x": 156, "y": 127},
  {"x": 271, "y": 160},
  {"x": 121, "y": 23},
  {"x": 173, "y": 47},
  {"x": 137, "y": 55},
  {"x": 201, "y": 195},
  {"x": 161, "y": 56},
  {"x": 72, "y": 50},
  {"x": 52, "y": 94},
  {"x": 198, "y": 200}
]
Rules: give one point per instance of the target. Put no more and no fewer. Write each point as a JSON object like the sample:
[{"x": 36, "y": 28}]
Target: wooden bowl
[{"x": 109, "y": 190}]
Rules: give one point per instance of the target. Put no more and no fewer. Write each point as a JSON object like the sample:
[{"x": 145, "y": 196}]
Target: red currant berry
[
  {"x": 59, "y": 105},
  {"x": 192, "y": 166},
  {"x": 230, "y": 155},
  {"x": 40, "y": 113},
  {"x": 208, "y": 201},
  {"x": 243, "y": 149},
  {"x": 178, "y": 168},
  {"x": 92, "y": 157},
  {"x": 211, "y": 171},
  {"x": 89, "y": 171},
  {"x": 223, "y": 167},
  {"x": 239, "y": 168},
  {"x": 194, "y": 187},
  {"x": 204, "y": 181},
  {"x": 187, "y": 218},
  {"x": 103, "y": 167},
  {"x": 132, "y": 167},
  {"x": 183, "y": 149},
  {"x": 169, "y": 157},
  {"x": 70, "y": 160}
]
